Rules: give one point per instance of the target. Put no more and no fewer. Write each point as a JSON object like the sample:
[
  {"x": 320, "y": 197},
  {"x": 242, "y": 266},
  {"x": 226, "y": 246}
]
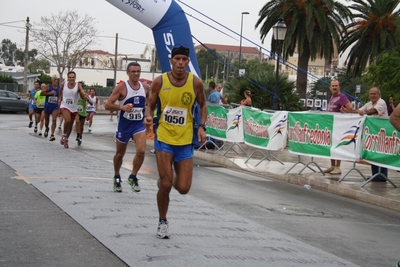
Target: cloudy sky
[{"x": 133, "y": 35}]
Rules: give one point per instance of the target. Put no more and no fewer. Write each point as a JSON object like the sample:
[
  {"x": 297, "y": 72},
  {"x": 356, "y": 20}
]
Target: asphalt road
[{"x": 35, "y": 232}]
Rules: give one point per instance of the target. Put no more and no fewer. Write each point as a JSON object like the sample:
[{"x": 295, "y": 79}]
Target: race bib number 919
[
  {"x": 175, "y": 116},
  {"x": 135, "y": 115}
]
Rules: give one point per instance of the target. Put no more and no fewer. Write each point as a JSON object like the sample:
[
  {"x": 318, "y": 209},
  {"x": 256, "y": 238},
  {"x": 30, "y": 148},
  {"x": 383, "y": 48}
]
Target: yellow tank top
[{"x": 175, "y": 125}]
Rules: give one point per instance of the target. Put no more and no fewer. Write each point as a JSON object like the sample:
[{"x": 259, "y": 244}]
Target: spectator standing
[
  {"x": 336, "y": 102},
  {"x": 375, "y": 107}
]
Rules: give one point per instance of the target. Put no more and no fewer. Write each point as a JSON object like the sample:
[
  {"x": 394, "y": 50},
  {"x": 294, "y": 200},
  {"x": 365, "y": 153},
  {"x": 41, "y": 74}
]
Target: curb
[{"x": 333, "y": 188}]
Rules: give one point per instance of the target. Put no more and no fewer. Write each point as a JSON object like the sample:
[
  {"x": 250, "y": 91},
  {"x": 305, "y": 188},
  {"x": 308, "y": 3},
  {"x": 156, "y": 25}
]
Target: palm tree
[
  {"x": 372, "y": 32},
  {"x": 314, "y": 28}
]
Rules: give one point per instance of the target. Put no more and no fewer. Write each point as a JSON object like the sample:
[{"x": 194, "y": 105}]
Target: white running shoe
[{"x": 162, "y": 230}]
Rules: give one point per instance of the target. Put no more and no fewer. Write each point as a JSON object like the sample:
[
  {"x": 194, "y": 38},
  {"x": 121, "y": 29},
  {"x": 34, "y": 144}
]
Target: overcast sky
[{"x": 110, "y": 20}]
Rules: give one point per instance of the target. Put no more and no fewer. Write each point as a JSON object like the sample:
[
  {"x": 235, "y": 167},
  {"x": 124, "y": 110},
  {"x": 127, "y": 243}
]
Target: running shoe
[
  {"x": 89, "y": 130},
  {"x": 46, "y": 133},
  {"x": 66, "y": 143},
  {"x": 133, "y": 182},
  {"x": 59, "y": 127},
  {"x": 162, "y": 230},
  {"x": 62, "y": 140},
  {"x": 35, "y": 130},
  {"x": 52, "y": 138},
  {"x": 117, "y": 184},
  {"x": 40, "y": 133},
  {"x": 79, "y": 141},
  {"x": 30, "y": 124},
  {"x": 77, "y": 137}
]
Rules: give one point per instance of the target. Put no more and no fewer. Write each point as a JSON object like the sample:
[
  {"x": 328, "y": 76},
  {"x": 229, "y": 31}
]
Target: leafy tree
[
  {"x": 258, "y": 83},
  {"x": 254, "y": 66},
  {"x": 372, "y": 32},
  {"x": 8, "y": 50},
  {"x": 12, "y": 54},
  {"x": 384, "y": 73},
  {"x": 6, "y": 78},
  {"x": 208, "y": 64},
  {"x": 313, "y": 30},
  {"x": 44, "y": 78},
  {"x": 39, "y": 65},
  {"x": 63, "y": 38}
]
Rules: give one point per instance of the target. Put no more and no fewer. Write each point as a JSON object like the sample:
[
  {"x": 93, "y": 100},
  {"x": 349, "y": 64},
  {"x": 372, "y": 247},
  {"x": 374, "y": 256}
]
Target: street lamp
[
  {"x": 279, "y": 31},
  {"x": 241, "y": 30}
]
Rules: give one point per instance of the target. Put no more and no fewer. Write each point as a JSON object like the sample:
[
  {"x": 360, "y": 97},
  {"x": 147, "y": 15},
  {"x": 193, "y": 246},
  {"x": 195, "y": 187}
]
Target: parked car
[{"x": 12, "y": 102}]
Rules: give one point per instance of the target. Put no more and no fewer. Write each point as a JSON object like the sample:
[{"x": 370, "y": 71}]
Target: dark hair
[
  {"x": 212, "y": 85},
  {"x": 180, "y": 50},
  {"x": 71, "y": 72},
  {"x": 132, "y": 64}
]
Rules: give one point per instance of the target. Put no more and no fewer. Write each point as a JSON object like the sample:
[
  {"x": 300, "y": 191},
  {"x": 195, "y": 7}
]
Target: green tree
[
  {"x": 372, "y": 32},
  {"x": 39, "y": 65},
  {"x": 6, "y": 78},
  {"x": 8, "y": 50},
  {"x": 12, "y": 54},
  {"x": 254, "y": 66},
  {"x": 44, "y": 78},
  {"x": 384, "y": 73},
  {"x": 313, "y": 30},
  {"x": 209, "y": 64},
  {"x": 261, "y": 85}
]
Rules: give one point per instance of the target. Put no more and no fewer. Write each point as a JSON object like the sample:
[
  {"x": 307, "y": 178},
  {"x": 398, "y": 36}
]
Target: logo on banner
[
  {"x": 350, "y": 136},
  {"x": 135, "y": 4},
  {"x": 282, "y": 124},
  {"x": 235, "y": 122}
]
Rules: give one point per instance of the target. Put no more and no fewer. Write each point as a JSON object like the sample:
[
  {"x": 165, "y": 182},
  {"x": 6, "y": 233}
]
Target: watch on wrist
[{"x": 203, "y": 125}]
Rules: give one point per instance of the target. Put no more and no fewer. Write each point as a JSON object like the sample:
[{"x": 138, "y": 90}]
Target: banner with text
[
  {"x": 265, "y": 130},
  {"x": 225, "y": 124},
  {"x": 330, "y": 135},
  {"x": 381, "y": 143}
]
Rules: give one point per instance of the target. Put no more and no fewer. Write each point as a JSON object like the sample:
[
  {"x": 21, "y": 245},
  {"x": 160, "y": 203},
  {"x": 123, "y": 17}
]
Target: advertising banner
[
  {"x": 381, "y": 143},
  {"x": 331, "y": 135},
  {"x": 225, "y": 124},
  {"x": 217, "y": 122},
  {"x": 265, "y": 130}
]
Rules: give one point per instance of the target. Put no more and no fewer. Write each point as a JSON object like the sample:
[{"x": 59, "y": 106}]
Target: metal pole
[
  {"x": 240, "y": 45},
  {"x": 115, "y": 60},
  {"x": 278, "y": 50},
  {"x": 25, "y": 87}
]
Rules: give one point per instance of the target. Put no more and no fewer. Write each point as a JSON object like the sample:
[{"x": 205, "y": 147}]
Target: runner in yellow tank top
[
  {"x": 175, "y": 125},
  {"x": 175, "y": 93}
]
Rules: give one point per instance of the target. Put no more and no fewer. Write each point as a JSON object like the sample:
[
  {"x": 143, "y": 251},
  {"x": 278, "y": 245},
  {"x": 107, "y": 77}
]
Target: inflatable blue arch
[{"x": 169, "y": 25}]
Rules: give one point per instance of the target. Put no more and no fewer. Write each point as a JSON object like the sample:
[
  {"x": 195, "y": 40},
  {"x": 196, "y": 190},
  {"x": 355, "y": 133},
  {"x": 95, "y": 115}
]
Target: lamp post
[
  {"x": 240, "y": 46},
  {"x": 279, "y": 31}
]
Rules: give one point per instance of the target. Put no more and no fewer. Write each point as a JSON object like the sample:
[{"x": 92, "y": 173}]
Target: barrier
[{"x": 313, "y": 134}]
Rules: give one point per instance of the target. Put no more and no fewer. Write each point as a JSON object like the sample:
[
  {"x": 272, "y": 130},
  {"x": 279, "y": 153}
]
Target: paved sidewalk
[{"x": 382, "y": 194}]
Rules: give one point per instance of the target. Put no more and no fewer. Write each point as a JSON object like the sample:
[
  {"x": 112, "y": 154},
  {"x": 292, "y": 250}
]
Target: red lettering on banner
[
  {"x": 307, "y": 135},
  {"x": 254, "y": 129},
  {"x": 217, "y": 123},
  {"x": 380, "y": 143}
]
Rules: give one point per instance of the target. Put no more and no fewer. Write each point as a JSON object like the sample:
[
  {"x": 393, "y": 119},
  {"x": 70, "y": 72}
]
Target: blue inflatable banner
[{"x": 169, "y": 24}]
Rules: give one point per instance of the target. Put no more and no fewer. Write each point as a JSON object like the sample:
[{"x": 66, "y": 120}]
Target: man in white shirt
[{"x": 375, "y": 107}]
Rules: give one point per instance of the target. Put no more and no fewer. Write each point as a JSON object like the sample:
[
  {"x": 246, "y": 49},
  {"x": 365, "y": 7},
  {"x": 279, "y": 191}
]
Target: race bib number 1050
[{"x": 175, "y": 116}]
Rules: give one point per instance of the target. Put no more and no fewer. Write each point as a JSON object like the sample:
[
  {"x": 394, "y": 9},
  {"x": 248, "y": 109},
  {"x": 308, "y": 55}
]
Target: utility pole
[
  {"x": 115, "y": 60},
  {"x": 25, "y": 86}
]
